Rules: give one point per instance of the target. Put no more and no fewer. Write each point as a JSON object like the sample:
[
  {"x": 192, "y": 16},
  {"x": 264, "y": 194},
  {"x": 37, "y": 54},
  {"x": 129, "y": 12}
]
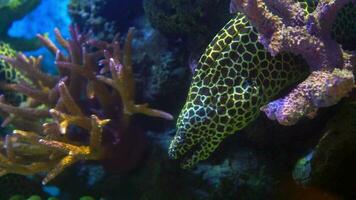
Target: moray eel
[
  {"x": 235, "y": 77},
  {"x": 9, "y": 74}
]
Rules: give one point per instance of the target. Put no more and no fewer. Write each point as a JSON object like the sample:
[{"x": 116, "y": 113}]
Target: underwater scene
[{"x": 177, "y": 100}]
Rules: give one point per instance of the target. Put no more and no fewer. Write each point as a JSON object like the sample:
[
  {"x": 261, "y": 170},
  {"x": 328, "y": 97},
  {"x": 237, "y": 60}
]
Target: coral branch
[
  {"x": 48, "y": 44},
  {"x": 76, "y": 153},
  {"x": 23, "y": 112},
  {"x": 30, "y": 66},
  {"x": 96, "y": 133},
  {"x": 60, "y": 39},
  {"x": 122, "y": 80},
  {"x": 144, "y": 109},
  {"x": 68, "y": 101},
  {"x": 320, "y": 89},
  {"x": 23, "y": 88}
]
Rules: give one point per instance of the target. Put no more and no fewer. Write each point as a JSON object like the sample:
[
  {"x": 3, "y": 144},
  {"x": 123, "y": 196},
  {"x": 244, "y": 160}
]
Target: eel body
[{"x": 234, "y": 78}]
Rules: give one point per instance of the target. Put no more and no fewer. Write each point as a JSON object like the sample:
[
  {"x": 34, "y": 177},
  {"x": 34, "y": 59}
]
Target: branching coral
[
  {"x": 84, "y": 99},
  {"x": 284, "y": 27}
]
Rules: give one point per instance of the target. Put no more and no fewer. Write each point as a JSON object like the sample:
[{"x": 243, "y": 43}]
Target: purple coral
[
  {"x": 284, "y": 27},
  {"x": 320, "y": 89}
]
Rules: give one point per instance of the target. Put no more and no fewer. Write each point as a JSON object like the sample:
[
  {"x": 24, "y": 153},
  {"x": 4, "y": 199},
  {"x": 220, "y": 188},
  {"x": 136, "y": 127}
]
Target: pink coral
[
  {"x": 320, "y": 89},
  {"x": 284, "y": 27}
]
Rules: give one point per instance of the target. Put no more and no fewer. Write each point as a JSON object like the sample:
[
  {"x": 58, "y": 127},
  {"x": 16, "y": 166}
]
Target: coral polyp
[{"x": 80, "y": 114}]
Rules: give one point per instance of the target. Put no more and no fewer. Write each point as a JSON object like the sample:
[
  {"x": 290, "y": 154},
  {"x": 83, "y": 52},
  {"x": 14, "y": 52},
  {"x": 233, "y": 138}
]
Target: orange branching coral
[
  {"x": 95, "y": 99},
  {"x": 124, "y": 84}
]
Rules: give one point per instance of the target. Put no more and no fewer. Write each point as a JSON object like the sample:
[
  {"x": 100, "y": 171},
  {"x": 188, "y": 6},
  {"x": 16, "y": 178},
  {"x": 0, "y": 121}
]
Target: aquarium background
[
  {"x": 43, "y": 19},
  {"x": 313, "y": 159}
]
